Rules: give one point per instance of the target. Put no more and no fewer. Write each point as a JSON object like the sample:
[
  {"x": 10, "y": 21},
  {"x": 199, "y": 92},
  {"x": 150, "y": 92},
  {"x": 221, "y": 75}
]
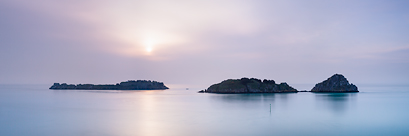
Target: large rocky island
[
  {"x": 249, "y": 85},
  {"x": 335, "y": 84},
  {"x": 128, "y": 85}
]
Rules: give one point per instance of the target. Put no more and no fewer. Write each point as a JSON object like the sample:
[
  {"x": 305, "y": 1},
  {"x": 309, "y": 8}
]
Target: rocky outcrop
[
  {"x": 336, "y": 83},
  {"x": 252, "y": 85},
  {"x": 128, "y": 85}
]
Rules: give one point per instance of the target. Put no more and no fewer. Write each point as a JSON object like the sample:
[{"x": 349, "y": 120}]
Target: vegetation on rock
[
  {"x": 336, "y": 83},
  {"x": 128, "y": 85},
  {"x": 249, "y": 85}
]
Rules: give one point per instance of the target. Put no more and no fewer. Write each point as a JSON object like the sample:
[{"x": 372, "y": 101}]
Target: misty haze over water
[{"x": 35, "y": 110}]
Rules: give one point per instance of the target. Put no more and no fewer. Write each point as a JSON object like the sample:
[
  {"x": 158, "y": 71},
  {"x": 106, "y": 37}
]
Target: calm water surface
[{"x": 35, "y": 110}]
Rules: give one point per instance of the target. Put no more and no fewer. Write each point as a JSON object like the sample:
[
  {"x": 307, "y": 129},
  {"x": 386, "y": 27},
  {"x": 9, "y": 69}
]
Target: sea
[{"x": 34, "y": 110}]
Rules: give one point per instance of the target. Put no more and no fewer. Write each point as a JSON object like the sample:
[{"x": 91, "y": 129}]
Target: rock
[
  {"x": 252, "y": 85},
  {"x": 128, "y": 85},
  {"x": 336, "y": 83},
  {"x": 201, "y": 91}
]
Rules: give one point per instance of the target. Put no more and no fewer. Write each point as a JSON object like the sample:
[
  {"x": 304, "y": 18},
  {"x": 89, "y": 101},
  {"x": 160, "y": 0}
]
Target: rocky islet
[
  {"x": 128, "y": 85},
  {"x": 335, "y": 84},
  {"x": 249, "y": 85}
]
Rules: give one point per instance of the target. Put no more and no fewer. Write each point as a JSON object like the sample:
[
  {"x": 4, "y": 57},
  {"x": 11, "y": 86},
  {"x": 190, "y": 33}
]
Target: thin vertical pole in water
[{"x": 270, "y": 107}]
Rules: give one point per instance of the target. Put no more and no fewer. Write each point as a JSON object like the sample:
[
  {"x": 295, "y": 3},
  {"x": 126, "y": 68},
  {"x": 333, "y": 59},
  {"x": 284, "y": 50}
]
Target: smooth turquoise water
[{"x": 35, "y": 110}]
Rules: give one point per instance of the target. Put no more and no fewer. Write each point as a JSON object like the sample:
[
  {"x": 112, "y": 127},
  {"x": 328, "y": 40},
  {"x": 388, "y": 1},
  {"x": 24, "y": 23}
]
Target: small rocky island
[
  {"x": 128, "y": 85},
  {"x": 249, "y": 85},
  {"x": 335, "y": 84}
]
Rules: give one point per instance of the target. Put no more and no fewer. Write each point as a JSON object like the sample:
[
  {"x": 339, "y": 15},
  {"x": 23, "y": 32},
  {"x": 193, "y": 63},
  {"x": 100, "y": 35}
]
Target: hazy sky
[{"x": 203, "y": 41}]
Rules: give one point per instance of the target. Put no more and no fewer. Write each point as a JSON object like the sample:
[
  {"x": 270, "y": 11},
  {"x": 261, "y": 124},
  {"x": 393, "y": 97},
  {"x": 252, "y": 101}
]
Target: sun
[
  {"x": 148, "y": 49},
  {"x": 149, "y": 43}
]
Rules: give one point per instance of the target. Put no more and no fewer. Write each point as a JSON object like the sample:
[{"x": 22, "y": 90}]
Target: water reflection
[
  {"x": 256, "y": 97},
  {"x": 243, "y": 97},
  {"x": 284, "y": 97},
  {"x": 336, "y": 102},
  {"x": 106, "y": 91}
]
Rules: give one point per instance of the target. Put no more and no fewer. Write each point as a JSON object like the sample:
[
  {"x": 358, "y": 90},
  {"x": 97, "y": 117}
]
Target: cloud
[
  {"x": 130, "y": 24},
  {"x": 207, "y": 39}
]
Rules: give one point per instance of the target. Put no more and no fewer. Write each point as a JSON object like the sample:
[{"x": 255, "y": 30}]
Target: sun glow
[
  {"x": 148, "y": 49},
  {"x": 149, "y": 43}
]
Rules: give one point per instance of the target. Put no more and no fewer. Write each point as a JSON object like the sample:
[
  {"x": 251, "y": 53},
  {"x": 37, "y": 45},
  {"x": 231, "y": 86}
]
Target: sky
[{"x": 202, "y": 42}]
